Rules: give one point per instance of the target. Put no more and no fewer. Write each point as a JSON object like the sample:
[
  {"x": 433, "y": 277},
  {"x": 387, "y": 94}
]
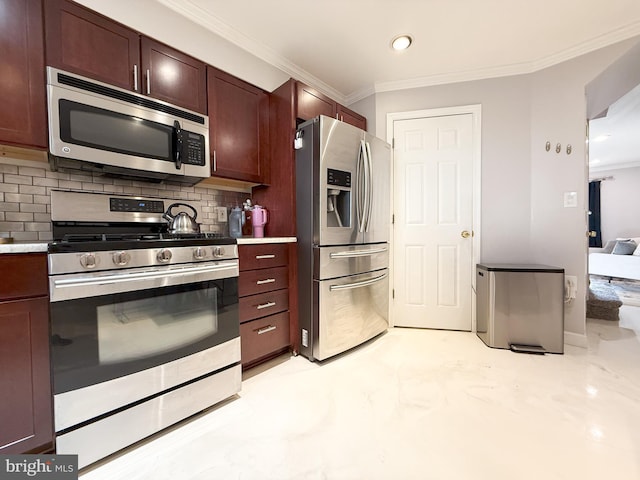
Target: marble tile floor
[{"x": 415, "y": 404}]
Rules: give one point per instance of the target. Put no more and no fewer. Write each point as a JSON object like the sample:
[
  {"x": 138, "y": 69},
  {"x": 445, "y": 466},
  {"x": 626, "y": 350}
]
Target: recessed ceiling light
[{"x": 401, "y": 42}]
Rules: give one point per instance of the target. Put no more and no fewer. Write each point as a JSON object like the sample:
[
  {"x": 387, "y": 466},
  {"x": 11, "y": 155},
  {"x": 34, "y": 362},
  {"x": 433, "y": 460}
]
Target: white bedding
[{"x": 617, "y": 266}]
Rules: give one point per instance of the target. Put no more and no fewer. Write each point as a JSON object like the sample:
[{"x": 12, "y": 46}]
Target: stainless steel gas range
[{"x": 144, "y": 323}]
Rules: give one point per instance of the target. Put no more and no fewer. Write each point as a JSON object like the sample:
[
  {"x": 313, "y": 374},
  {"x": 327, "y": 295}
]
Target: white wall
[
  {"x": 558, "y": 115},
  {"x": 620, "y": 203},
  {"x": 505, "y": 214},
  {"x": 522, "y": 213}
]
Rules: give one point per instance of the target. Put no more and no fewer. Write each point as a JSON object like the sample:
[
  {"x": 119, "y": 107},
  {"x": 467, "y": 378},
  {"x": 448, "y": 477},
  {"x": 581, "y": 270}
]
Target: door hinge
[
  {"x": 393, "y": 293},
  {"x": 393, "y": 143},
  {"x": 393, "y": 219}
]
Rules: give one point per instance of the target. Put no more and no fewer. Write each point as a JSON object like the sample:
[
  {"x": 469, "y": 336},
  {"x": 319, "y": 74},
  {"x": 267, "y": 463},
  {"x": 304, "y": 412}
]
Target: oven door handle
[{"x": 146, "y": 275}]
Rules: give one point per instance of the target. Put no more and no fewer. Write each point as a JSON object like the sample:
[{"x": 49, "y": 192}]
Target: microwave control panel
[{"x": 193, "y": 148}]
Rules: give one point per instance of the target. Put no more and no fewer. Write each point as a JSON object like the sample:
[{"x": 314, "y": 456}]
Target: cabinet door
[
  {"x": 22, "y": 83},
  {"x": 25, "y": 382},
  {"x": 312, "y": 103},
  {"x": 84, "y": 42},
  {"x": 239, "y": 127},
  {"x": 173, "y": 76},
  {"x": 351, "y": 117}
]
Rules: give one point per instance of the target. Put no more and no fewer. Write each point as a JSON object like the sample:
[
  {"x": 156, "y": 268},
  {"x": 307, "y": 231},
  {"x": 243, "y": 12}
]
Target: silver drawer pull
[
  {"x": 266, "y": 305},
  {"x": 268, "y": 280},
  {"x": 358, "y": 253},
  {"x": 270, "y": 328},
  {"x": 262, "y": 257}
]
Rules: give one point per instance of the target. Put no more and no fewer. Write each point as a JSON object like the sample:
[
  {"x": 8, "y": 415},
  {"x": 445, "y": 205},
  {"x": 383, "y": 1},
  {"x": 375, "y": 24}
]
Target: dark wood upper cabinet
[
  {"x": 25, "y": 378},
  {"x": 82, "y": 41},
  {"x": 351, "y": 117},
  {"x": 311, "y": 103},
  {"x": 173, "y": 76},
  {"x": 239, "y": 127},
  {"x": 23, "y": 117}
]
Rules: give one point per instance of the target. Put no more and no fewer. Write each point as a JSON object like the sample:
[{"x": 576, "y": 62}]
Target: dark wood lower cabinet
[
  {"x": 264, "y": 337},
  {"x": 26, "y": 424}
]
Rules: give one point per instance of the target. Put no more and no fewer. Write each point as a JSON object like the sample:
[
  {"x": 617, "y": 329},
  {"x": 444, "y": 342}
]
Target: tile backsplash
[{"x": 25, "y": 198}]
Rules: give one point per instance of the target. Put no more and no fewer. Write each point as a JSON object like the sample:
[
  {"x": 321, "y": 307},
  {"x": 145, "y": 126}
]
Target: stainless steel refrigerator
[{"x": 343, "y": 214}]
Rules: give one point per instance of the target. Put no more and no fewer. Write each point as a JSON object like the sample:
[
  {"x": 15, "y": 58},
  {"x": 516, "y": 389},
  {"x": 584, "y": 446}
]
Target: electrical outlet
[
  {"x": 222, "y": 214},
  {"x": 570, "y": 287}
]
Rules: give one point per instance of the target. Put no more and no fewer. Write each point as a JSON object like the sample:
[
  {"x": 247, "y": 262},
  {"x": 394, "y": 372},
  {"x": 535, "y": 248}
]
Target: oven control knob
[
  {"x": 121, "y": 258},
  {"x": 89, "y": 260},
  {"x": 218, "y": 251},
  {"x": 164, "y": 255},
  {"x": 199, "y": 253}
]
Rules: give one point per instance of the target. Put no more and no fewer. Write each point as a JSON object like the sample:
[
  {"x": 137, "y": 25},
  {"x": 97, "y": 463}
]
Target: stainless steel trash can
[{"x": 520, "y": 307}]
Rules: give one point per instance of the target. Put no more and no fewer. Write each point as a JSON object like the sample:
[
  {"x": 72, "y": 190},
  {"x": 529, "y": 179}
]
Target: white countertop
[
  {"x": 254, "y": 241},
  {"x": 23, "y": 247},
  {"x": 34, "y": 247}
]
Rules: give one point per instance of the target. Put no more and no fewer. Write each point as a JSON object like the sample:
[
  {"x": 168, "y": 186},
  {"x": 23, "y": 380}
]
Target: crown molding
[
  {"x": 197, "y": 15},
  {"x": 615, "y": 36},
  {"x": 194, "y": 13}
]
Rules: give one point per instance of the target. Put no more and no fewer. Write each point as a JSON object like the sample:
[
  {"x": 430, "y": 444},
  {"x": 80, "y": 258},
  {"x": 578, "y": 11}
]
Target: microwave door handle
[{"x": 177, "y": 132}]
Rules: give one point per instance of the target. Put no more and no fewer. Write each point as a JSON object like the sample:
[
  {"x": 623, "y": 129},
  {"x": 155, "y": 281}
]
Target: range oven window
[
  {"x": 114, "y": 132},
  {"x": 97, "y": 339}
]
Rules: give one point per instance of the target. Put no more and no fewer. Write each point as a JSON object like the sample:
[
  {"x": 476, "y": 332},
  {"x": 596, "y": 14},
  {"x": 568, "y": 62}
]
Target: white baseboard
[{"x": 575, "y": 339}]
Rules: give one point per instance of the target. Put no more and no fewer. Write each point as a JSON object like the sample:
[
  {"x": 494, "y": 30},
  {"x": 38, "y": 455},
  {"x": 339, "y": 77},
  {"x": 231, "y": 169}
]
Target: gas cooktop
[{"x": 109, "y": 241}]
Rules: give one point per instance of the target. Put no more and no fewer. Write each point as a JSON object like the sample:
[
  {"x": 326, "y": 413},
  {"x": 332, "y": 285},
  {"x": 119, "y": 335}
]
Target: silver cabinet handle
[
  {"x": 148, "y": 82},
  {"x": 266, "y": 305},
  {"x": 262, "y": 257},
  {"x": 364, "y": 283},
  {"x": 270, "y": 328},
  {"x": 135, "y": 77},
  {"x": 215, "y": 164},
  {"x": 357, "y": 253},
  {"x": 268, "y": 280}
]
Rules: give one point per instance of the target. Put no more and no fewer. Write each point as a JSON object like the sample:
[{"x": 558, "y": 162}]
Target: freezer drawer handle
[
  {"x": 357, "y": 253},
  {"x": 266, "y": 305},
  {"x": 268, "y": 280},
  {"x": 262, "y": 257},
  {"x": 364, "y": 283},
  {"x": 270, "y": 328}
]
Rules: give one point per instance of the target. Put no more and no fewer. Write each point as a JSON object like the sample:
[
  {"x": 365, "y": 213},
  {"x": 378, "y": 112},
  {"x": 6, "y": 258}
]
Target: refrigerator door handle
[
  {"x": 357, "y": 253},
  {"x": 364, "y": 283},
  {"x": 361, "y": 168},
  {"x": 368, "y": 178}
]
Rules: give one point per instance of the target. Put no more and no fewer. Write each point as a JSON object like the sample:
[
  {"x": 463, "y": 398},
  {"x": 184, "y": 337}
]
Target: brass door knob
[
  {"x": 465, "y": 234},
  {"x": 592, "y": 233}
]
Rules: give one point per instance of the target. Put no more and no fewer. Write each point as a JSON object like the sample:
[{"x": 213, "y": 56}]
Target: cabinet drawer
[
  {"x": 263, "y": 304},
  {"x": 24, "y": 275},
  {"x": 260, "y": 281},
  {"x": 263, "y": 256},
  {"x": 264, "y": 336}
]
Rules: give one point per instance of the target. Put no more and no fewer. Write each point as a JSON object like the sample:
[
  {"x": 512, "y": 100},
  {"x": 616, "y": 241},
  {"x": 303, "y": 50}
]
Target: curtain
[{"x": 594, "y": 214}]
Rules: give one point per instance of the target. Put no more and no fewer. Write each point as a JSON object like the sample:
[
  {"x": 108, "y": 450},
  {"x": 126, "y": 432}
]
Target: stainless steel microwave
[{"x": 101, "y": 128}]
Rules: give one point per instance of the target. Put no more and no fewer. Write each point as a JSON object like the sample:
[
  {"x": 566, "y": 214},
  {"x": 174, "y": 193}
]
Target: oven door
[{"x": 138, "y": 333}]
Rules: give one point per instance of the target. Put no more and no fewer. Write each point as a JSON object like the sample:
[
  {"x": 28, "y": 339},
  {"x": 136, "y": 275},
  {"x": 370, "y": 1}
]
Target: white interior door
[{"x": 433, "y": 259}]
